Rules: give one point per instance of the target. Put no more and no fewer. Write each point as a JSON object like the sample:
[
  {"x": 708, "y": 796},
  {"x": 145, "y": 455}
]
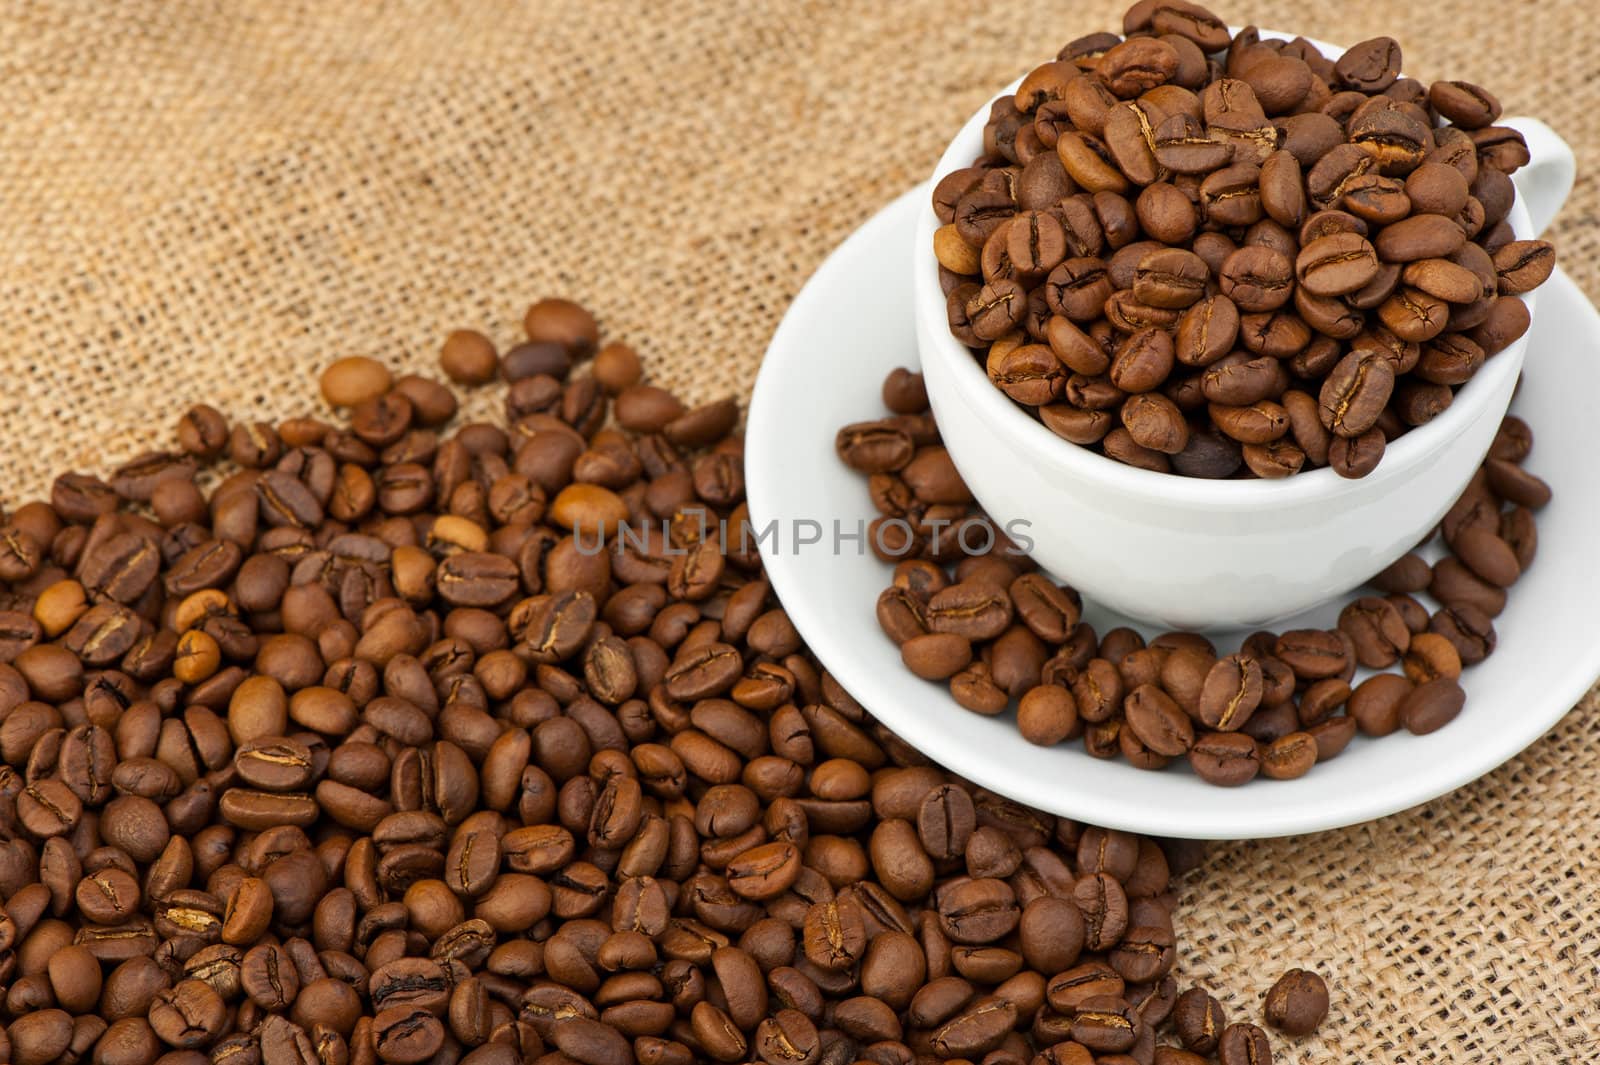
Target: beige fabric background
[{"x": 209, "y": 201}]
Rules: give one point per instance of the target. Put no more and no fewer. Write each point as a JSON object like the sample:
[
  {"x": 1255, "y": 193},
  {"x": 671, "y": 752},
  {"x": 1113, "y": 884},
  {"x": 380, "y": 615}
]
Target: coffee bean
[
  {"x": 1356, "y": 456},
  {"x": 1487, "y": 555},
  {"x": 353, "y": 380},
  {"x": 1336, "y": 264},
  {"x": 1158, "y": 721},
  {"x": 1224, "y": 758},
  {"x": 41, "y": 1036},
  {"x": 1170, "y": 278},
  {"x": 1516, "y": 485},
  {"x": 1244, "y": 1044},
  {"x": 1432, "y": 705},
  {"x": 1297, "y": 1002},
  {"x": 468, "y": 357},
  {"x": 1106, "y": 1025},
  {"x": 406, "y": 1035},
  {"x": 1257, "y": 278},
  {"x": 1200, "y": 1021},
  {"x": 1155, "y": 422},
  {"x": 1289, "y": 756},
  {"x": 1142, "y": 361},
  {"x": 1376, "y": 630},
  {"x": 188, "y": 1015},
  {"x": 788, "y": 1037},
  {"x": 1232, "y": 691},
  {"x": 1468, "y": 629}
]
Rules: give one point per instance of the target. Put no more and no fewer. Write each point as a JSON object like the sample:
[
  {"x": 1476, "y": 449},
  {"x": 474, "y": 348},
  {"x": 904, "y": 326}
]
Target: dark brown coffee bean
[
  {"x": 1244, "y": 1044},
  {"x": 1170, "y": 278},
  {"x": 874, "y": 447},
  {"x": 1432, "y": 705},
  {"x": 1142, "y": 361},
  {"x": 1464, "y": 104},
  {"x": 1183, "y": 145},
  {"x": 1225, "y": 758},
  {"x": 40, "y": 1036},
  {"x": 1487, "y": 555},
  {"x": 996, "y": 308},
  {"x": 977, "y": 911},
  {"x": 1257, "y": 278},
  {"x": 1106, "y": 1025},
  {"x": 788, "y": 1037},
  {"x": 1356, "y": 456},
  {"x": 1336, "y": 264},
  {"x": 1454, "y": 585},
  {"x": 1515, "y": 485},
  {"x": 407, "y": 1035},
  {"x": 1232, "y": 691},
  {"x": 1104, "y": 905},
  {"x": 1376, "y": 630},
  {"x": 1289, "y": 756},
  {"x": 1232, "y": 195},
  {"x": 975, "y": 1031},
  {"x": 1158, "y": 721},
  {"x": 1370, "y": 67},
  {"x": 1029, "y": 374},
  {"x": 1138, "y": 65},
  {"x": 1200, "y": 1020},
  {"x": 1155, "y": 422},
  {"x": 1469, "y": 630},
  {"x": 1297, "y": 1002}
]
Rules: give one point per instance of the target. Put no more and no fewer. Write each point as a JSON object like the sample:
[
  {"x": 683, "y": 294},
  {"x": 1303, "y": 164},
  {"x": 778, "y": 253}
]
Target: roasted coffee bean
[
  {"x": 1225, "y": 758},
  {"x": 1523, "y": 265},
  {"x": 407, "y": 1035},
  {"x": 1355, "y": 393},
  {"x": 1170, "y": 278},
  {"x": 1297, "y": 1003},
  {"x": 1200, "y": 1021},
  {"x": 1158, "y": 721},
  {"x": 1155, "y": 422},
  {"x": 1431, "y": 705},
  {"x": 1356, "y": 456},
  {"x": 1105, "y": 1025},
  {"x": 1468, "y": 629},
  {"x": 1257, "y": 278},
  {"x": 1232, "y": 691},
  {"x": 1376, "y": 630},
  {"x": 1244, "y": 1044}
]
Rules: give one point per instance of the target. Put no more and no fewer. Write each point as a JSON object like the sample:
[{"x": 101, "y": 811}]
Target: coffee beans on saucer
[
  {"x": 1224, "y": 256},
  {"x": 392, "y": 747},
  {"x": 968, "y": 609}
]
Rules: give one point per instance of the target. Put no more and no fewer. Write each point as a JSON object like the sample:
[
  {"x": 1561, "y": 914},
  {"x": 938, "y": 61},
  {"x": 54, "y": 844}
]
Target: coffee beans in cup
[
  {"x": 969, "y": 610},
  {"x": 1225, "y": 256},
  {"x": 373, "y": 750}
]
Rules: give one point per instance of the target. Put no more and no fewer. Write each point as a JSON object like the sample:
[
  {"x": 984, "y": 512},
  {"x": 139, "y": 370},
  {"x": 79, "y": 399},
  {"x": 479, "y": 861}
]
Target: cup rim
[{"x": 1022, "y": 431}]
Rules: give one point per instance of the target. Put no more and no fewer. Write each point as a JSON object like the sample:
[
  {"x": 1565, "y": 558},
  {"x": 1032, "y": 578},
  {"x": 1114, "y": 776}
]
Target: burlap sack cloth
[{"x": 211, "y": 201}]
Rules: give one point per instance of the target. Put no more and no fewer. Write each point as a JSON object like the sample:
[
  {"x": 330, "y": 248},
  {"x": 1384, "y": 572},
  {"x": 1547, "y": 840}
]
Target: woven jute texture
[{"x": 209, "y": 201}]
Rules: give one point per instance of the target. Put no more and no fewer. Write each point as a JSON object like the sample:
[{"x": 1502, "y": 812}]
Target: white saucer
[{"x": 852, "y": 324}]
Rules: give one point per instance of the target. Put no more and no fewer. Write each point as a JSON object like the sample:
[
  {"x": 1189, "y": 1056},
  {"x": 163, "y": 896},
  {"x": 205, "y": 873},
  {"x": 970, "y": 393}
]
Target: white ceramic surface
[
  {"x": 1206, "y": 554},
  {"x": 853, "y": 323}
]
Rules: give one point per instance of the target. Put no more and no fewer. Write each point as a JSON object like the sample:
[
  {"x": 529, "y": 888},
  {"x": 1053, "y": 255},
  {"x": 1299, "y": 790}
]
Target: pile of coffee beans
[
  {"x": 1227, "y": 256},
  {"x": 364, "y": 756},
  {"x": 1000, "y": 633}
]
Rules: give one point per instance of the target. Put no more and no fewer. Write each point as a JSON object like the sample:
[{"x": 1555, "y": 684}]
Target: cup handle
[{"x": 1547, "y": 179}]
